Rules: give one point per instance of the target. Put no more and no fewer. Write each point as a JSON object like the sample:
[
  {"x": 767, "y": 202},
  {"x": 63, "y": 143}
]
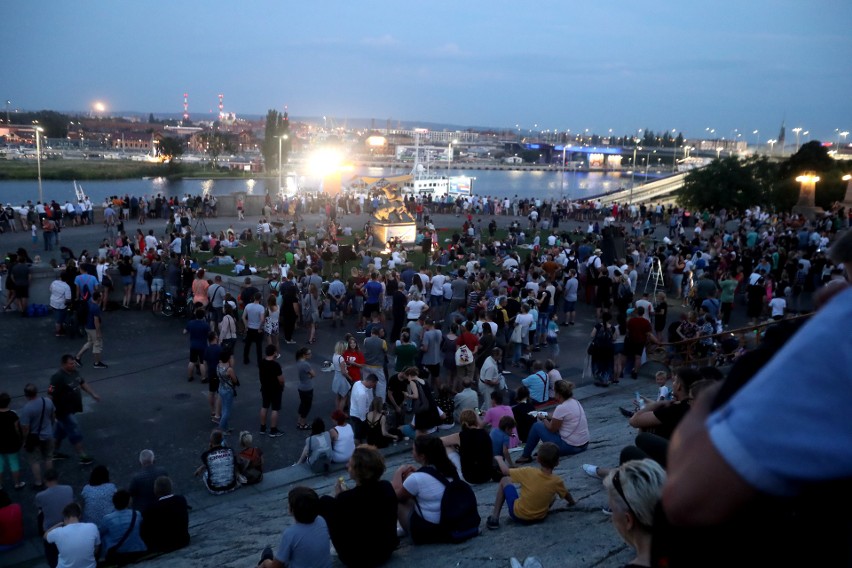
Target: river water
[{"x": 497, "y": 183}]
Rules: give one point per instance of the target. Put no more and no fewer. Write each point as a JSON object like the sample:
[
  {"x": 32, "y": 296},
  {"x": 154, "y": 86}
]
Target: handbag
[
  {"x": 517, "y": 334},
  {"x": 33, "y": 440}
]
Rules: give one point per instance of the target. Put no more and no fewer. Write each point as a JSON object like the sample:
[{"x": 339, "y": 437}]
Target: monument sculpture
[{"x": 393, "y": 221}]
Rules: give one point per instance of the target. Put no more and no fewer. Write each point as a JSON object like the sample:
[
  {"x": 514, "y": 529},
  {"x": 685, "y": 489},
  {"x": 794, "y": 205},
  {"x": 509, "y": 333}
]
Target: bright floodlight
[
  {"x": 99, "y": 106},
  {"x": 325, "y": 161},
  {"x": 807, "y": 178},
  {"x": 376, "y": 141}
]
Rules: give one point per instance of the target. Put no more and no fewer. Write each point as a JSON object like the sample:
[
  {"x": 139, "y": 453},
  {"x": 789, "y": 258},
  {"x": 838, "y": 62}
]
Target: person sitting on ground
[
  {"x": 501, "y": 438},
  {"x": 97, "y": 496},
  {"x": 142, "y": 485},
  {"x": 538, "y": 384},
  {"x": 634, "y": 490},
  {"x": 342, "y": 438},
  {"x": 466, "y": 399},
  {"x": 305, "y": 543},
  {"x": 473, "y": 450},
  {"x": 250, "y": 459},
  {"x": 521, "y": 411},
  {"x": 567, "y": 427},
  {"x": 317, "y": 450},
  {"x": 539, "y": 488},
  {"x": 218, "y": 469},
  {"x": 499, "y": 409},
  {"x": 118, "y": 548},
  {"x": 376, "y": 426},
  {"x": 76, "y": 541},
  {"x": 372, "y": 501},
  {"x": 11, "y": 523},
  {"x": 420, "y": 493}
]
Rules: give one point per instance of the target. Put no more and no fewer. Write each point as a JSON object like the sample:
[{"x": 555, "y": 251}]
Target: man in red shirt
[{"x": 639, "y": 333}]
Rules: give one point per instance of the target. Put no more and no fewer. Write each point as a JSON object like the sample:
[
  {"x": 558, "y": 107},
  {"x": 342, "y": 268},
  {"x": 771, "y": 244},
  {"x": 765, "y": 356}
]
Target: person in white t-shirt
[
  {"x": 77, "y": 542},
  {"x": 778, "y": 306}
]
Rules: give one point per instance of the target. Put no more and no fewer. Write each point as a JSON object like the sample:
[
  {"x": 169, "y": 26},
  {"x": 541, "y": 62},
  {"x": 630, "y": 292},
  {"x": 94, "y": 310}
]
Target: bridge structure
[{"x": 659, "y": 190}]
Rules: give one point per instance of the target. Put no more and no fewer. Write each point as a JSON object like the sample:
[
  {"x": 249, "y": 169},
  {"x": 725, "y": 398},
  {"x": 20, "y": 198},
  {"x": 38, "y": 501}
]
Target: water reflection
[
  {"x": 207, "y": 187},
  {"x": 250, "y": 186}
]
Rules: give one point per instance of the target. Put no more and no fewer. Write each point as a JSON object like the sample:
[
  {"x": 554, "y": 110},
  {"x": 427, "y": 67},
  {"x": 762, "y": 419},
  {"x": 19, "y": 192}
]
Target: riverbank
[{"x": 67, "y": 170}]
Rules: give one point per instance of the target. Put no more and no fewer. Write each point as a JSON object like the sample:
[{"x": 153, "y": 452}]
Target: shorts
[
  {"x": 370, "y": 309},
  {"x": 213, "y": 383},
  {"x": 358, "y": 427},
  {"x": 42, "y": 452},
  {"x": 157, "y": 285},
  {"x": 67, "y": 427},
  {"x": 569, "y": 306},
  {"x": 96, "y": 341},
  {"x": 196, "y": 355},
  {"x": 127, "y": 280},
  {"x": 632, "y": 349},
  {"x": 271, "y": 399},
  {"x": 22, "y": 291},
  {"x": 510, "y": 492},
  {"x": 12, "y": 460},
  {"x": 215, "y": 314},
  {"x": 59, "y": 315},
  {"x": 337, "y": 306}
]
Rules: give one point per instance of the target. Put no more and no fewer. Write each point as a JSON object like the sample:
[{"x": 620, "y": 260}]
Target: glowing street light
[
  {"x": 844, "y": 134},
  {"x": 450, "y": 154},
  {"x": 756, "y": 140},
  {"x": 797, "y": 130},
  {"x": 718, "y": 152},
  {"x": 771, "y": 143}
]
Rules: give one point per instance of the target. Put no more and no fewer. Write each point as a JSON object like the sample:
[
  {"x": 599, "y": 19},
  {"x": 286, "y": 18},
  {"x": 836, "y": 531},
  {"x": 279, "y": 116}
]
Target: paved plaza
[{"x": 148, "y": 403}]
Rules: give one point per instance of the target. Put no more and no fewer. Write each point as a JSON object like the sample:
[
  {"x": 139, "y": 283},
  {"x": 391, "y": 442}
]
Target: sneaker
[
  {"x": 591, "y": 470},
  {"x": 262, "y": 430},
  {"x": 275, "y": 433},
  {"x": 100, "y": 365},
  {"x": 86, "y": 460},
  {"x": 400, "y": 532},
  {"x": 241, "y": 479},
  {"x": 361, "y": 331},
  {"x": 607, "y": 511},
  {"x": 634, "y": 374},
  {"x": 625, "y": 412},
  {"x": 492, "y": 523}
]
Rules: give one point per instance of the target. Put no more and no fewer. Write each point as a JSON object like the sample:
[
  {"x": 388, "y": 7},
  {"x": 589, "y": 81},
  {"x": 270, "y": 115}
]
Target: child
[
  {"x": 501, "y": 438},
  {"x": 306, "y": 543},
  {"x": 665, "y": 393},
  {"x": 553, "y": 336},
  {"x": 34, "y": 234},
  {"x": 538, "y": 487}
]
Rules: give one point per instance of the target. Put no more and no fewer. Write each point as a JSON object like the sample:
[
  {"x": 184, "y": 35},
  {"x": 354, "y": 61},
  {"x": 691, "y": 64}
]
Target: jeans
[
  {"x": 516, "y": 352},
  {"x": 227, "y": 396},
  {"x": 253, "y": 336},
  {"x": 539, "y": 432},
  {"x": 67, "y": 427}
]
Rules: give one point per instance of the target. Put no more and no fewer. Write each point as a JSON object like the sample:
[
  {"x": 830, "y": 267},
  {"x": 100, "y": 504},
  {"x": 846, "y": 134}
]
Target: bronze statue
[{"x": 394, "y": 211}]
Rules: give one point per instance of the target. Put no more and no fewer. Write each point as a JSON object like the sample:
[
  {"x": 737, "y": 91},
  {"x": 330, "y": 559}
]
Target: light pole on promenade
[
  {"x": 797, "y": 130},
  {"x": 38, "y": 130},
  {"x": 280, "y": 167}
]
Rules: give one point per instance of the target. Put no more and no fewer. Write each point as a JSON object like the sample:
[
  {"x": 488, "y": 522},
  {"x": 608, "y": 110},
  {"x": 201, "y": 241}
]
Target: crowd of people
[{"x": 433, "y": 344}]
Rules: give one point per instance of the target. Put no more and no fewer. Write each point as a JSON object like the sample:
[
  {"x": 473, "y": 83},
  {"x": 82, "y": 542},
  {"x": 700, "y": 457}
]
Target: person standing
[
  {"x": 359, "y": 404},
  {"x": 60, "y": 298},
  {"x": 94, "y": 332},
  {"x": 10, "y": 441},
  {"x": 271, "y": 390},
  {"x": 228, "y": 383},
  {"x": 38, "y": 417},
  {"x": 375, "y": 352},
  {"x": 305, "y": 387},
  {"x": 65, "y": 389},
  {"x": 216, "y": 297},
  {"x": 431, "y": 348},
  {"x": 197, "y": 329},
  {"x": 253, "y": 316}
]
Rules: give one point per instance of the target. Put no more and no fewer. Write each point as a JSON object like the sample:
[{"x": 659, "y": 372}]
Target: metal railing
[{"x": 723, "y": 349}]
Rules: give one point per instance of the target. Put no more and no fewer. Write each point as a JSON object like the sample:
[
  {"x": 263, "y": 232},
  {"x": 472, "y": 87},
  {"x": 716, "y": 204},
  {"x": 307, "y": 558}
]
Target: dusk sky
[{"x": 729, "y": 64}]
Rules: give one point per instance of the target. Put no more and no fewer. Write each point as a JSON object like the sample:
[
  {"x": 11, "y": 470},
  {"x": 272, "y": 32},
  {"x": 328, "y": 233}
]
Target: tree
[
  {"x": 170, "y": 148},
  {"x": 216, "y": 143},
  {"x": 812, "y": 157},
  {"x": 151, "y": 119},
  {"x": 731, "y": 183},
  {"x": 277, "y": 125}
]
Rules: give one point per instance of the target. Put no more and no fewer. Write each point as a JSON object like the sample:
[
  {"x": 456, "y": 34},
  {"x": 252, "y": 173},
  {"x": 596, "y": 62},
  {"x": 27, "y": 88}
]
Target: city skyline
[{"x": 731, "y": 68}]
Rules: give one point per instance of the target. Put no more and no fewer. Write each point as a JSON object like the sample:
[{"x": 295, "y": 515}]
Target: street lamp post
[
  {"x": 844, "y": 134},
  {"x": 38, "y": 130},
  {"x": 450, "y": 154},
  {"x": 771, "y": 143},
  {"x": 280, "y": 168},
  {"x": 718, "y": 152},
  {"x": 562, "y": 173},
  {"x": 756, "y": 141},
  {"x": 797, "y": 130},
  {"x": 633, "y": 173}
]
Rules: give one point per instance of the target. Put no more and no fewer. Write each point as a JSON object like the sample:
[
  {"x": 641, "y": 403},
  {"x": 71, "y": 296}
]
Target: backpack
[
  {"x": 319, "y": 460},
  {"x": 603, "y": 342},
  {"x": 459, "y": 511},
  {"x": 464, "y": 356}
]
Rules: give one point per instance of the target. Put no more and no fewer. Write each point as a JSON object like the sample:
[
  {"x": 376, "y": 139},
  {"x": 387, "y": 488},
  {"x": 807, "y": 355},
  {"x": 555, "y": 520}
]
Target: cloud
[{"x": 386, "y": 40}]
